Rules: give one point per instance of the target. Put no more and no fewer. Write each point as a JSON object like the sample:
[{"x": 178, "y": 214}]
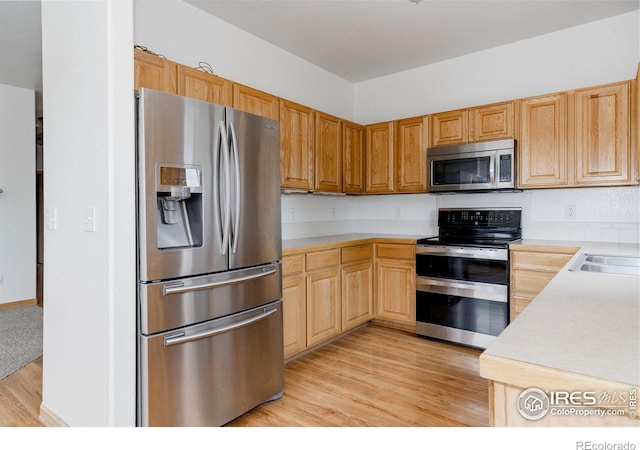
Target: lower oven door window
[{"x": 463, "y": 312}]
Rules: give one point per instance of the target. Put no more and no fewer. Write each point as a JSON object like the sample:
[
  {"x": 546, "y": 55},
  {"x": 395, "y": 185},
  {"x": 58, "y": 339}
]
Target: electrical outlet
[
  {"x": 332, "y": 212},
  {"x": 292, "y": 213},
  {"x": 398, "y": 212},
  {"x": 1, "y": 278},
  {"x": 570, "y": 211}
]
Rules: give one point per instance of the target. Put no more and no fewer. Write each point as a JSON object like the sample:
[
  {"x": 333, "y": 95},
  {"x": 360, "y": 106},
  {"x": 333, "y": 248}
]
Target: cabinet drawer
[
  {"x": 530, "y": 281},
  {"x": 549, "y": 262},
  {"x": 520, "y": 303},
  {"x": 357, "y": 253},
  {"x": 396, "y": 251},
  {"x": 322, "y": 259},
  {"x": 292, "y": 264}
]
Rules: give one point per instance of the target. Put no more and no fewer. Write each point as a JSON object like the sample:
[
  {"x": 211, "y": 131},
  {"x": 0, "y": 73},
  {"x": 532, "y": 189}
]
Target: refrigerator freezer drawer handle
[
  {"x": 181, "y": 289},
  {"x": 181, "y": 338}
]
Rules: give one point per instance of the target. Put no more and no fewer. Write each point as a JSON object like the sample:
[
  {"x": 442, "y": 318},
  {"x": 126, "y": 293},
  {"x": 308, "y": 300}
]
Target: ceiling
[
  {"x": 360, "y": 40},
  {"x": 356, "y": 40}
]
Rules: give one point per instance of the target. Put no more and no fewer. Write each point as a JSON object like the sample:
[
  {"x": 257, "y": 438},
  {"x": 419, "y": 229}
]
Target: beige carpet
[{"x": 20, "y": 337}]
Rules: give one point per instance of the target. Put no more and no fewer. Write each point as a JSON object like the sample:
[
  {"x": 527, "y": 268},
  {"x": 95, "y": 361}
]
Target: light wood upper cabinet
[
  {"x": 254, "y": 101},
  {"x": 602, "y": 135},
  {"x": 411, "y": 155},
  {"x": 450, "y": 128},
  {"x": 542, "y": 147},
  {"x": 491, "y": 122},
  {"x": 328, "y": 153},
  {"x": 154, "y": 72},
  {"x": 353, "y": 157},
  {"x": 482, "y": 123},
  {"x": 379, "y": 158},
  {"x": 204, "y": 86},
  {"x": 296, "y": 146}
]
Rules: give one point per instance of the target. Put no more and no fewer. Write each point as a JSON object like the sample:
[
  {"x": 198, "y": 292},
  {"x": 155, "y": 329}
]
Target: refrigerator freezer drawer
[
  {"x": 178, "y": 303},
  {"x": 209, "y": 374}
]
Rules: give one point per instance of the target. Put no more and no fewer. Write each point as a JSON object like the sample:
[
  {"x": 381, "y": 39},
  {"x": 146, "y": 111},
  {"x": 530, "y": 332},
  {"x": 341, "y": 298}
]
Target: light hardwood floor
[{"x": 374, "y": 377}]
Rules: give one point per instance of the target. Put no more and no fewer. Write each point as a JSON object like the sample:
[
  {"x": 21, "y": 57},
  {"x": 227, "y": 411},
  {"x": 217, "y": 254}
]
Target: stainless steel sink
[{"x": 619, "y": 265}]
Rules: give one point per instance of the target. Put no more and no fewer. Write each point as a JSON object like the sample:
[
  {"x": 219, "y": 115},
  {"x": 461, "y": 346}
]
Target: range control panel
[{"x": 480, "y": 218}]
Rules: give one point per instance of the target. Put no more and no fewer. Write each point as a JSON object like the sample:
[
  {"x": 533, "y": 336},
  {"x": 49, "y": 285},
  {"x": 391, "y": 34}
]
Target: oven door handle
[
  {"x": 499, "y": 254},
  {"x": 484, "y": 291}
]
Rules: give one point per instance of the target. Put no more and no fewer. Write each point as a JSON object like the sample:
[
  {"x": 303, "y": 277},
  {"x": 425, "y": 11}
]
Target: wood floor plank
[
  {"x": 373, "y": 377},
  {"x": 379, "y": 377}
]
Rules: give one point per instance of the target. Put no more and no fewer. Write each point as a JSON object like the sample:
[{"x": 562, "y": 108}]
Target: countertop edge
[{"x": 305, "y": 245}]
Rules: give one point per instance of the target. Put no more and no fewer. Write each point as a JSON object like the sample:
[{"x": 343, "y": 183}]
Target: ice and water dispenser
[{"x": 179, "y": 206}]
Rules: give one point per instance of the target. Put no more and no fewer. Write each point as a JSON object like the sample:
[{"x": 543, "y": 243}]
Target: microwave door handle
[
  {"x": 236, "y": 168},
  {"x": 492, "y": 170}
]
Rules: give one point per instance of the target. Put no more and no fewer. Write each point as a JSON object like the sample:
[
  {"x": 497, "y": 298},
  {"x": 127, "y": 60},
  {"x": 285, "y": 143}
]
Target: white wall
[
  {"x": 599, "y": 52},
  {"x": 18, "y": 199},
  {"x": 89, "y": 284},
  {"x": 187, "y": 35}
]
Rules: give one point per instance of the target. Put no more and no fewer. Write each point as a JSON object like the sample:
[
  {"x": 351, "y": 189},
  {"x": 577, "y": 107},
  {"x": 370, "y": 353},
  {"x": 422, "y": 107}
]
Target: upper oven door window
[
  {"x": 476, "y": 269},
  {"x": 467, "y": 171}
]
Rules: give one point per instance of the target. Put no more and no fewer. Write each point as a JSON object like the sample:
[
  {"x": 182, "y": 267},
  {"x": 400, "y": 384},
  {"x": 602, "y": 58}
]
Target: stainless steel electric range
[{"x": 462, "y": 285}]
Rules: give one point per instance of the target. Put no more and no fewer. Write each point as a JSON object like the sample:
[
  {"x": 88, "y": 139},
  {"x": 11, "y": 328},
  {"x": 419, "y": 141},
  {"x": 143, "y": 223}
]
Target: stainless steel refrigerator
[{"x": 209, "y": 273}]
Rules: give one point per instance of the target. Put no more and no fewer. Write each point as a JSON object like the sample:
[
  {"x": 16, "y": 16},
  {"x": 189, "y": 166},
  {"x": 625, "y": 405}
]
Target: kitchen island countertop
[{"x": 582, "y": 322}]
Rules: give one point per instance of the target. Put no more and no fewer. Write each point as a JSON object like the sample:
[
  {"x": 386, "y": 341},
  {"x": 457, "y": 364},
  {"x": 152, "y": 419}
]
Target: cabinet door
[
  {"x": 154, "y": 72},
  {"x": 379, "y": 158},
  {"x": 294, "y": 314},
  {"x": 542, "y": 147},
  {"x": 204, "y": 86},
  {"x": 323, "y": 305},
  {"x": 328, "y": 153},
  {"x": 491, "y": 122},
  {"x": 357, "y": 294},
  {"x": 602, "y": 135},
  {"x": 255, "y": 102},
  {"x": 353, "y": 158},
  {"x": 449, "y": 128},
  {"x": 411, "y": 155},
  {"x": 296, "y": 146},
  {"x": 396, "y": 291}
]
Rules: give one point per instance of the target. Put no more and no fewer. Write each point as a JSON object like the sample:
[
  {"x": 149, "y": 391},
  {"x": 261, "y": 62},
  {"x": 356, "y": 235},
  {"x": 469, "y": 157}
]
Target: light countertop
[
  {"x": 315, "y": 243},
  {"x": 582, "y": 322}
]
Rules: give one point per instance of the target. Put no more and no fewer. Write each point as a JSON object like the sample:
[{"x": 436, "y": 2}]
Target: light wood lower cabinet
[
  {"x": 357, "y": 285},
  {"x": 532, "y": 268},
  {"x": 325, "y": 293},
  {"x": 323, "y": 305},
  {"x": 395, "y": 283}
]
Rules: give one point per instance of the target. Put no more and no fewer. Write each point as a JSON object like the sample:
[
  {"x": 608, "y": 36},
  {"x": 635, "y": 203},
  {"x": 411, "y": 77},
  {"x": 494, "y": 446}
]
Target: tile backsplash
[{"x": 588, "y": 214}]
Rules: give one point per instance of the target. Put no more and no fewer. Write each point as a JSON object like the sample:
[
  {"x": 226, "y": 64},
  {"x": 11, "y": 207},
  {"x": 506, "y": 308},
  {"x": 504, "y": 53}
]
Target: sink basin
[
  {"x": 619, "y": 265},
  {"x": 613, "y": 260}
]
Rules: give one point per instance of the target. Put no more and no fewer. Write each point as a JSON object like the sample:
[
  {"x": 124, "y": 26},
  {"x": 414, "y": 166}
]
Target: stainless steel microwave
[{"x": 477, "y": 167}]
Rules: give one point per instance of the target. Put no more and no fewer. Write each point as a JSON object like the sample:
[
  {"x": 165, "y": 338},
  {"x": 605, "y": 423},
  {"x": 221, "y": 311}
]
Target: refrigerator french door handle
[
  {"x": 181, "y": 289},
  {"x": 236, "y": 163},
  {"x": 216, "y": 181},
  {"x": 180, "y": 338},
  {"x": 227, "y": 188}
]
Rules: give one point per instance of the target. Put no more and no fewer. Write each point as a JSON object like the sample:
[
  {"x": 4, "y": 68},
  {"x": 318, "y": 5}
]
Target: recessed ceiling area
[{"x": 360, "y": 40}]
